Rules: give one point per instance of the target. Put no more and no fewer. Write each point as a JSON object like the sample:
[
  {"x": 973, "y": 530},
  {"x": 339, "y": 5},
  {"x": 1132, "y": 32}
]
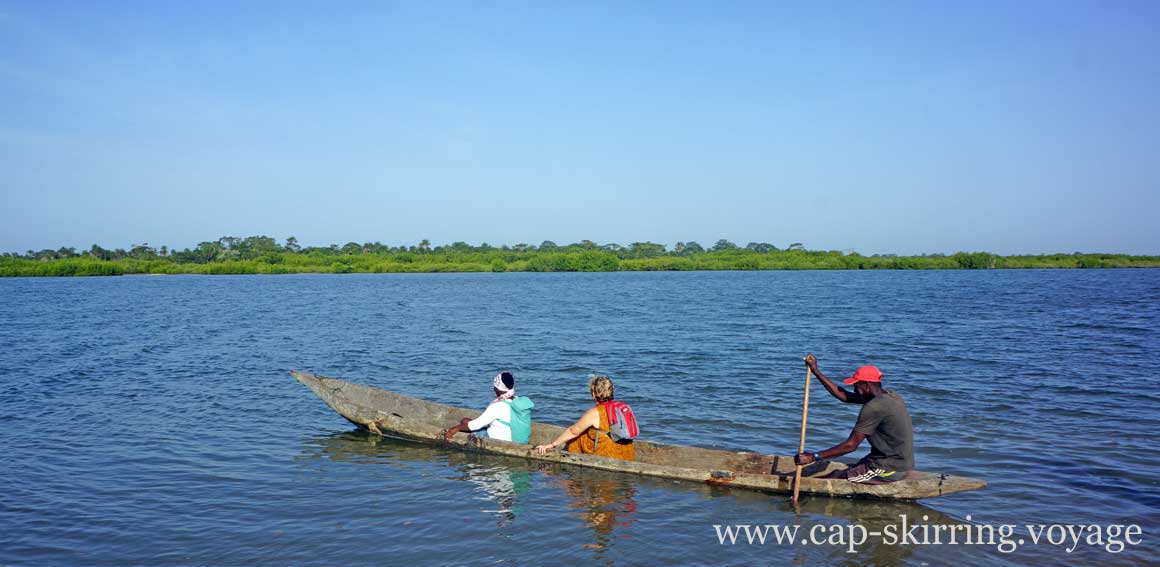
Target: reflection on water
[
  {"x": 607, "y": 503},
  {"x": 603, "y": 504},
  {"x": 499, "y": 483},
  {"x": 501, "y": 486}
]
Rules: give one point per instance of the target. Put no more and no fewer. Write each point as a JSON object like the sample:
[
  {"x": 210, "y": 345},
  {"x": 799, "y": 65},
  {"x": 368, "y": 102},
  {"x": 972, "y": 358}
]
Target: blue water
[{"x": 152, "y": 420}]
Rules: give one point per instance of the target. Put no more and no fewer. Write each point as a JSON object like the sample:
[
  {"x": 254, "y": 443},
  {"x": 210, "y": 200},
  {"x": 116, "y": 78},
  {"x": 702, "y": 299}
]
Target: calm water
[{"x": 152, "y": 420}]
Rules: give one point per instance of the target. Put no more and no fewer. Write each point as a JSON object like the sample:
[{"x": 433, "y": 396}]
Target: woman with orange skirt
[{"x": 589, "y": 435}]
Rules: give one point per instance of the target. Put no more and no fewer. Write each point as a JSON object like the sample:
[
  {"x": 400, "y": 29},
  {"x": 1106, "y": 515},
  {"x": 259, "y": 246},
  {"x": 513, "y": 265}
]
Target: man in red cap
[{"x": 883, "y": 419}]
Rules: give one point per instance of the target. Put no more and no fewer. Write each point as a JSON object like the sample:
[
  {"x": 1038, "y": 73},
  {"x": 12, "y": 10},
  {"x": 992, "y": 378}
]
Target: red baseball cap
[{"x": 865, "y": 374}]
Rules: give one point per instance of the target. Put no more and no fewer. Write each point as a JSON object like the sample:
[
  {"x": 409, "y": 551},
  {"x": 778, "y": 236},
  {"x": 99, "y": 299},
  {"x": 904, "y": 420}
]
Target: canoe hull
[{"x": 388, "y": 413}]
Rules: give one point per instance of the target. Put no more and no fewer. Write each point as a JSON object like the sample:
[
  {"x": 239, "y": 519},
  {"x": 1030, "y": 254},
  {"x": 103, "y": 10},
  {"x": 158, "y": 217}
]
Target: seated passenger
[
  {"x": 590, "y": 434},
  {"x": 506, "y": 418}
]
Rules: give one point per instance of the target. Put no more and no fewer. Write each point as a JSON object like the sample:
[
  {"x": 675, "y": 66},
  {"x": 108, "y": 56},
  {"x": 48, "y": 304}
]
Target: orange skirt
[{"x": 597, "y": 441}]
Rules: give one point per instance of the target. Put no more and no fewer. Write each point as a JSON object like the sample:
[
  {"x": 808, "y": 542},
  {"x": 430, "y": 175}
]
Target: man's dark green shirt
[{"x": 886, "y": 422}]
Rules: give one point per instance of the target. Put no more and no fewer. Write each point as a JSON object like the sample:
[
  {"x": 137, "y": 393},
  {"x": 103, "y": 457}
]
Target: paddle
[{"x": 797, "y": 476}]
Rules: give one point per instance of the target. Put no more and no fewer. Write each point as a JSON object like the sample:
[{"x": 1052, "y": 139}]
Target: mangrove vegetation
[{"x": 265, "y": 255}]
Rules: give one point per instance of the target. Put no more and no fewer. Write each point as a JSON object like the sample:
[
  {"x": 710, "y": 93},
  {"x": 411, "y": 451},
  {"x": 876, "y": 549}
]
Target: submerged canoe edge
[{"x": 383, "y": 412}]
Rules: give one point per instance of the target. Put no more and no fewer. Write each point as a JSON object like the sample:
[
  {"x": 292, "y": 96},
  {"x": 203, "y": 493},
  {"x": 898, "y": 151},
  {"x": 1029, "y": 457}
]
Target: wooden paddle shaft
[{"x": 797, "y": 477}]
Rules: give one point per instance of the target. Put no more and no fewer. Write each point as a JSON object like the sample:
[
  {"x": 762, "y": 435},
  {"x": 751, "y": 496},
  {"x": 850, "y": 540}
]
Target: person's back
[
  {"x": 495, "y": 421},
  {"x": 519, "y": 419},
  {"x": 507, "y": 417},
  {"x": 597, "y": 441},
  {"x": 886, "y": 423},
  {"x": 590, "y": 434}
]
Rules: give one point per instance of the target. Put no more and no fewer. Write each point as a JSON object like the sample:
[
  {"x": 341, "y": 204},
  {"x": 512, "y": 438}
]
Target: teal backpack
[{"x": 521, "y": 423}]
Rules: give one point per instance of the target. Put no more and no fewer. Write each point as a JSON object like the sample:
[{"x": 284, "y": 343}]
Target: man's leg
[{"x": 863, "y": 473}]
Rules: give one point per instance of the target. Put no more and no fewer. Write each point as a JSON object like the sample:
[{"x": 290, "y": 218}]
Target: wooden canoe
[{"x": 387, "y": 413}]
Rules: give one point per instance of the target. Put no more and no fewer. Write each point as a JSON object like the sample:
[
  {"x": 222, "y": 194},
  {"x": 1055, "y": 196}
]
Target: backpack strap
[{"x": 596, "y": 431}]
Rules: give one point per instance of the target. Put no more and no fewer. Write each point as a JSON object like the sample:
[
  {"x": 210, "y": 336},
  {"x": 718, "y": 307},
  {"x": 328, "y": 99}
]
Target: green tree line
[{"x": 264, "y": 255}]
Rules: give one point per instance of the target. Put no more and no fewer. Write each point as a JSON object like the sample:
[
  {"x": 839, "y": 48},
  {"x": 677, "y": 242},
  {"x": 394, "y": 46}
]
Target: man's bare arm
[
  {"x": 461, "y": 426},
  {"x": 835, "y": 390},
  {"x": 848, "y": 446}
]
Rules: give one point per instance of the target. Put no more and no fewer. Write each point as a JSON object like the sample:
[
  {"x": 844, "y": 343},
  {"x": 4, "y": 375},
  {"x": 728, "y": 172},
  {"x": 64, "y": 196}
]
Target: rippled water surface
[{"x": 152, "y": 420}]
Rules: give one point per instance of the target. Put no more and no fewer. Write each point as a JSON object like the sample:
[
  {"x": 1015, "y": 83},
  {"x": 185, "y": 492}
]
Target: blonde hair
[{"x": 601, "y": 388}]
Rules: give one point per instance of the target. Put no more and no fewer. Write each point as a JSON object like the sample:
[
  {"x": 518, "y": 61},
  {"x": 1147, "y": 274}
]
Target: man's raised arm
[{"x": 834, "y": 389}]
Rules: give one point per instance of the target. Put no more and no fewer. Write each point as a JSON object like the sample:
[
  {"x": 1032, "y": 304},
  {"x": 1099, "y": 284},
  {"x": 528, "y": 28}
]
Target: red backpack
[{"x": 621, "y": 421}]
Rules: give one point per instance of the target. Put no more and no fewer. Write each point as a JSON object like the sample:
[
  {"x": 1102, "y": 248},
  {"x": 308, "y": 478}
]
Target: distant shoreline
[{"x": 506, "y": 260}]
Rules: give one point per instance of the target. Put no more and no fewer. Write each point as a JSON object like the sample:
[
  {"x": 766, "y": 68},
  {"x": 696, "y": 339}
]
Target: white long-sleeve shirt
[{"x": 490, "y": 421}]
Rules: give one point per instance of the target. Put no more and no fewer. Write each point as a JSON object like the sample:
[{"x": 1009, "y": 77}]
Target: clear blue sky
[{"x": 1010, "y": 126}]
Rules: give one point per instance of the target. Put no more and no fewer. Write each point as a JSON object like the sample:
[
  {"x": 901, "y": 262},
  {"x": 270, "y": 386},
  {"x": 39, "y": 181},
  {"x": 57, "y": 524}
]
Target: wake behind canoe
[{"x": 384, "y": 412}]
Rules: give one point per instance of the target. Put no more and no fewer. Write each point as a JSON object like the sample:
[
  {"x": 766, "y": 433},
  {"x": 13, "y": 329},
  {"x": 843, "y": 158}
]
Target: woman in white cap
[{"x": 497, "y": 420}]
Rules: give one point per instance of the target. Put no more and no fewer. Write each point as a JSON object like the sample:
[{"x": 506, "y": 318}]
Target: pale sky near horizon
[{"x": 880, "y": 127}]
